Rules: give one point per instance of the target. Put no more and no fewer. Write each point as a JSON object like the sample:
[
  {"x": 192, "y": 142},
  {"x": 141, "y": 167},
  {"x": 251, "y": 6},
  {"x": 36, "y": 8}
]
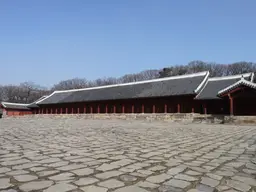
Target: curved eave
[{"x": 236, "y": 85}]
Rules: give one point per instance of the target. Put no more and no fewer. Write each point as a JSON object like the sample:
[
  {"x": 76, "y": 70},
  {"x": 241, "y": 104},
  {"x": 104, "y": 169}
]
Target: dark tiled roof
[
  {"x": 214, "y": 85},
  {"x": 19, "y": 106},
  {"x": 170, "y": 86},
  {"x": 34, "y": 105},
  {"x": 242, "y": 82}
]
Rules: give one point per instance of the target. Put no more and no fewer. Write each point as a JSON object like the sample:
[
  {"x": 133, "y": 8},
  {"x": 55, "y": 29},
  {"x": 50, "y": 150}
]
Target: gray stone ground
[{"x": 69, "y": 154}]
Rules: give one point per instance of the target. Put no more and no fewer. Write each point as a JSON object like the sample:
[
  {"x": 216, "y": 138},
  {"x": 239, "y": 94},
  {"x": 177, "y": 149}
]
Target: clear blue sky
[{"x": 51, "y": 40}]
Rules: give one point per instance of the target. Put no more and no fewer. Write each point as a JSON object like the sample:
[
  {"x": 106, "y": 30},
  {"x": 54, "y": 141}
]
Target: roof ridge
[
  {"x": 137, "y": 82},
  {"x": 202, "y": 89},
  {"x": 203, "y": 82},
  {"x": 23, "y": 104},
  {"x": 230, "y": 77}
]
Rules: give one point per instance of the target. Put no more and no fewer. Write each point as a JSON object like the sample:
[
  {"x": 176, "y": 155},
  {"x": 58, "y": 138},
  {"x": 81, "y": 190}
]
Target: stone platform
[{"x": 68, "y": 153}]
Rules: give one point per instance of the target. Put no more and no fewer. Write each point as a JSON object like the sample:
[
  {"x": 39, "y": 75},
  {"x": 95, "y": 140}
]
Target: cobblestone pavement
[{"x": 68, "y": 154}]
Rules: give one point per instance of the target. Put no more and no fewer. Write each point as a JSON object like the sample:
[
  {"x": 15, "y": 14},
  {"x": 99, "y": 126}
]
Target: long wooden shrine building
[{"x": 192, "y": 93}]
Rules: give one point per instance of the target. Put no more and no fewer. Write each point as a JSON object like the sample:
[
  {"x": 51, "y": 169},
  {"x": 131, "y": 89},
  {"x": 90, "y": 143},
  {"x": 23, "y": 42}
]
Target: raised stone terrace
[{"x": 70, "y": 154}]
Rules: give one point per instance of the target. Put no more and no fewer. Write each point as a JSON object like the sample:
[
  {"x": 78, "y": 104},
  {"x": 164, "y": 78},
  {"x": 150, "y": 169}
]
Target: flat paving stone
[
  {"x": 17, "y": 172},
  {"x": 35, "y": 185},
  {"x": 5, "y": 183},
  {"x": 238, "y": 185},
  {"x": 128, "y": 178},
  {"x": 210, "y": 182},
  {"x": 131, "y": 188},
  {"x": 49, "y": 160},
  {"x": 111, "y": 184},
  {"x": 61, "y": 187},
  {"x": 246, "y": 180},
  {"x": 25, "y": 178},
  {"x": 193, "y": 173},
  {"x": 157, "y": 168},
  {"x": 168, "y": 188},
  {"x": 93, "y": 188},
  {"x": 4, "y": 169},
  {"x": 47, "y": 173},
  {"x": 62, "y": 176},
  {"x": 107, "y": 167},
  {"x": 176, "y": 170},
  {"x": 204, "y": 188},
  {"x": 34, "y": 169},
  {"x": 109, "y": 174},
  {"x": 86, "y": 181},
  {"x": 146, "y": 184},
  {"x": 178, "y": 183},
  {"x": 225, "y": 173},
  {"x": 8, "y": 190},
  {"x": 15, "y": 162},
  {"x": 213, "y": 176},
  {"x": 70, "y": 167},
  {"x": 83, "y": 172},
  {"x": 185, "y": 177},
  {"x": 159, "y": 178}
]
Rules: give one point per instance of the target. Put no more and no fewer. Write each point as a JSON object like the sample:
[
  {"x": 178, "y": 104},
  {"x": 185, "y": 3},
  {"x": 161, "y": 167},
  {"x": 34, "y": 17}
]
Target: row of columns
[
  {"x": 231, "y": 106},
  {"x": 50, "y": 110}
]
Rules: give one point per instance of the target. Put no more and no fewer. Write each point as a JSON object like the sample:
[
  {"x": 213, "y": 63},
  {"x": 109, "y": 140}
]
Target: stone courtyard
[{"x": 71, "y": 154}]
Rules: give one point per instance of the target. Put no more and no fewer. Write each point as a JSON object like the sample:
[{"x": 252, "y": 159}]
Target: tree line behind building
[{"x": 28, "y": 92}]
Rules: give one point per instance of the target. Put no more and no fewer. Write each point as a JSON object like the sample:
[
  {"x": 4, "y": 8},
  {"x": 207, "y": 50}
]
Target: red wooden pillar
[
  {"x": 98, "y": 108},
  {"x": 205, "y": 109},
  {"x": 231, "y": 104},
  {"x": 56, "y": 111},
  {"x": 114, "y": 107},
  {"x": 61, "y": 110},
  {"x": 106, "y": 108},
  {"x": 132, "y": 108},
  {"x": 91, "y": 109},
  {"x": 46, "y": 111},
  {"x": 66, "y": 110},
  {"x": 142, "y": 108},
  {"x": 165, "y": 108},
  {"x": 78, "y": 110},
  {"x": 72, "y": 110},
  {"x": 123, "y": 110},
  {"x": 153, "y": 108},
  {"x": 193, "y": 109},
  {"x": 51, "y": 110},
  {"x": 178, "y": 108},
  {"x": 84, "y": 109},
  {"x": 42, "y": 111}
]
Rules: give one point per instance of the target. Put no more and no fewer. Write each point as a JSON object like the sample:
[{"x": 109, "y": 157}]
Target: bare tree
[
  {"x": 198, "y": 66},
  {"x": 26, "y": 89},
  {"x": 240, "y": 67},
  {"x": 2, "y": 96},
  {"x": 75, "y": 83},
  {"x": 149, "y": 74}
]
